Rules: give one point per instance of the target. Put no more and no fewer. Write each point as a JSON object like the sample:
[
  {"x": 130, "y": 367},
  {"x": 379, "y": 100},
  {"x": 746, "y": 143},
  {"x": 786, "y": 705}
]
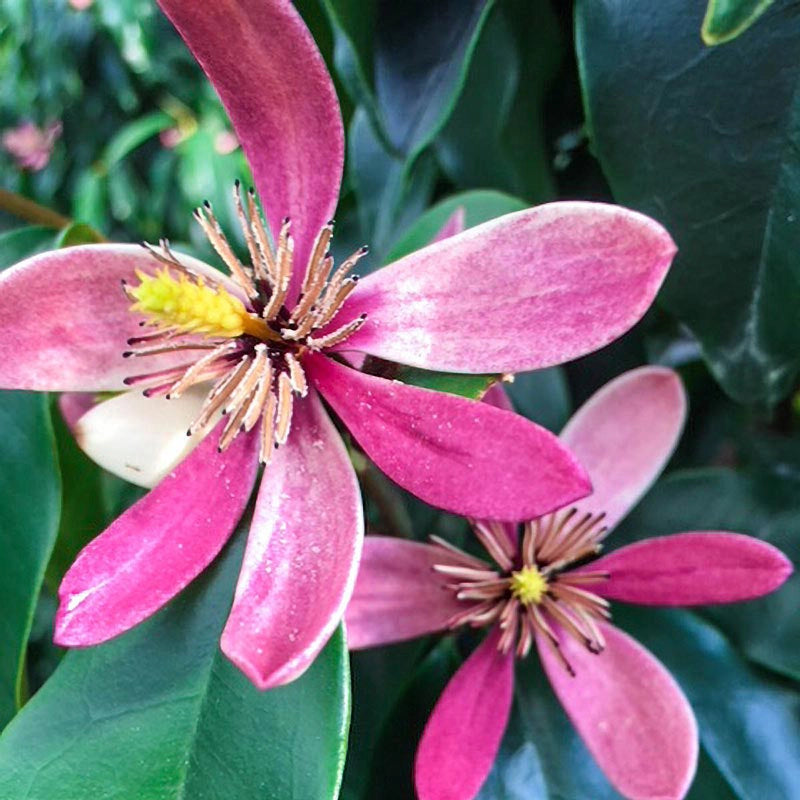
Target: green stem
[{"x": 23, "y": 208}]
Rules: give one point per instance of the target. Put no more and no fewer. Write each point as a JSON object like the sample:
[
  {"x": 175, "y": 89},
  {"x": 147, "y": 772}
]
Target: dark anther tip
[
  {"x": 224, "y": 412},
  {"x": 127, "y": 354},
  {"x": 355, "y": 278},
  {"x": 142, "y": 324},
  {"x": 362, "y": 316},
  {"x": 286, "y": 220},
  {"x": 219, "y": 449},
  {"x": 364, "y": 249},
  {"x": 188, "y": 432},
  {"x": 127, "y": 381},
  {"x": 330, "y": 223},
  {"x": 237, "y": 183},
  {"x": 207, "y": 204},
  {"x": 252, "y": 191},
  {"x": 276, "y": 445}
]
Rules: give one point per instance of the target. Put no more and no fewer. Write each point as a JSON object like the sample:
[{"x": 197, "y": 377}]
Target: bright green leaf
[
  {"x": 161, "y": 714},
  {"x": 472, "y": 386},
  {"x": 78, "y": 233},
  {"x": 706, "y": 142},
  {"x": 726, "y": 19},
  {"x": 133, "y": 135}
]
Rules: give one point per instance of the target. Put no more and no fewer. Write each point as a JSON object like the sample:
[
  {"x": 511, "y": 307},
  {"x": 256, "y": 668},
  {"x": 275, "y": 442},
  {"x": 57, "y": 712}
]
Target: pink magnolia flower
[
  {"x": 30, "y": 145},
  {"x": 265, "y": 344},
  {"x": 539, "y": 590}
]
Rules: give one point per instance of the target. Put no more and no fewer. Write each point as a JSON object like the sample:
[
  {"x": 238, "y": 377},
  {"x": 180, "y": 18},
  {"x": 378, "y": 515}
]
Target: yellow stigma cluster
[
  {"x": 528, "y": 585},
  {"x": 188, "y": 304}
]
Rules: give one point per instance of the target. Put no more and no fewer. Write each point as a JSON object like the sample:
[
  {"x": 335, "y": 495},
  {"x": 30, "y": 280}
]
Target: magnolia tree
[{"x": 400, "y": 400}]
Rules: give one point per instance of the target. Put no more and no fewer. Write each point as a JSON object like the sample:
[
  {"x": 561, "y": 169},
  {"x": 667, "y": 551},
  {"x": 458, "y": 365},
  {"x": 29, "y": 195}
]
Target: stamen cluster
[
  {"x": 530, "y": 589},
  {"x": 254, "y": 344}
]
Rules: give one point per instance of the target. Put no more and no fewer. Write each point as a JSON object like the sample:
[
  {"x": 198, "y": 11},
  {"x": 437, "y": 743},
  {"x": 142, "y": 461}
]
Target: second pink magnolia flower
[{"x": 539, "y": 592}]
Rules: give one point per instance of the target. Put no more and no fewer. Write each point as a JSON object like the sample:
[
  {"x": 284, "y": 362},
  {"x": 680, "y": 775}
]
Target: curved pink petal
[
  {"x": 272, "y": 80},
  {"x": 460, "y": 455},
  {"x": 694, "y": 568},
  {"x": 65, "y": 321},
  {"x": 631, "y": 714},
  {"x": 398, "y": 595},
  {"x": 453, "y": 224},
  {"x": 302, "y": 554},
  {"x": 624, "y": 435},
  {"x": 158, "y": 545},
  {"x": 497, "y": 396},
  {"x": 461, "y": 739},
  {"x": 527, "y": 290},
  {"x": 73, "y": 405}
]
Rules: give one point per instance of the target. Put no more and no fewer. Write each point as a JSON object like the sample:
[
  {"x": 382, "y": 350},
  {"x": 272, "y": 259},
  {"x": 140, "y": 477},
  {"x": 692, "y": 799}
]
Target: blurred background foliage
[{"x": 489, "y": 105}]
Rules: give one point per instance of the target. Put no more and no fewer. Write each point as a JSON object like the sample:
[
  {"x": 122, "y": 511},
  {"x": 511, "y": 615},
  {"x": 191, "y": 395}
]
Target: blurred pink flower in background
[{"x": 31, "y": 146}]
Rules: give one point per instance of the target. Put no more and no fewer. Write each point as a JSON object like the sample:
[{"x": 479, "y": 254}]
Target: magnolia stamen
[
  {"x": 297, "y": 376},
  {"x": 338, "y": 335},
  {"x": 496, "y": 543},
  {"x": 268, "y": 429},
  {"x": 213, "y": 231},
  {"x": 284, "y": 413},
  {"x": 249, "y": 346},
  {"x": 531, "y": 593}
]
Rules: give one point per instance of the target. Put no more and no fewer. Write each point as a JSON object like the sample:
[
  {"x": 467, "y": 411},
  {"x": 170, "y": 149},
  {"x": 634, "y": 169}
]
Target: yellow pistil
[
  {"x": 528, "y": 585},
  {"x": 189, "y": 305}
]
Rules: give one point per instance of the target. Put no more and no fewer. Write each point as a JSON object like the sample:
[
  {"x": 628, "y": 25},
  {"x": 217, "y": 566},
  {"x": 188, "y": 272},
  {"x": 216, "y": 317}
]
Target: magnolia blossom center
[
  {"x": 534, "y": 587},
  {"x": 527, "y": 585},
  {"x": 244, "y": 340}
]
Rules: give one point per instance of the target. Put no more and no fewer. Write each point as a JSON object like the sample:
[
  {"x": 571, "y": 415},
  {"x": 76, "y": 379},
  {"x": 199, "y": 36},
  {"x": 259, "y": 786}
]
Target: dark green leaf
[
  {"x": 391, "y": 191},
  {"x": 543, "y": 396},
  {"x": 726, "y": 19},
  {"x": 749, "y": 723},
  {"x": 30, "y": 494},
  {"x": 479, "y": 206},
  {"x": 715, "y": 159},
  {"x": 21, "y": 243},
  {"x": 422, "y": 53},
  {"x": 513, "y": 65},
  {"x": 160, "y": 714},
  {"x": 83, "y": 514}
]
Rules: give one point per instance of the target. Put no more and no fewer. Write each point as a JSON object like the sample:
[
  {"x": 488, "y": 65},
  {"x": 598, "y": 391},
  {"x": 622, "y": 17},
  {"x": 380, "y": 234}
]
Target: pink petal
[
  {"x": 73, "y": 405},
  {"x": 398, "y": 595},
  {"x": 497, "y": 396},
  {"x": 157, "y": 546},
  {"x": 302, "y": 554},
  {"x": 692, "y": 569},
  {"x": 453, "y": 224},
  {"x": 527, "y": 290},
  {"x": 457, "y": 454},
  {"x": 631, "y": 714},
  {"x": 624, "y": 435},
  {"x": 463, "y": 734},
  {"x": 272, "y": 80},
  {"x": 65, "y": 321}
]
